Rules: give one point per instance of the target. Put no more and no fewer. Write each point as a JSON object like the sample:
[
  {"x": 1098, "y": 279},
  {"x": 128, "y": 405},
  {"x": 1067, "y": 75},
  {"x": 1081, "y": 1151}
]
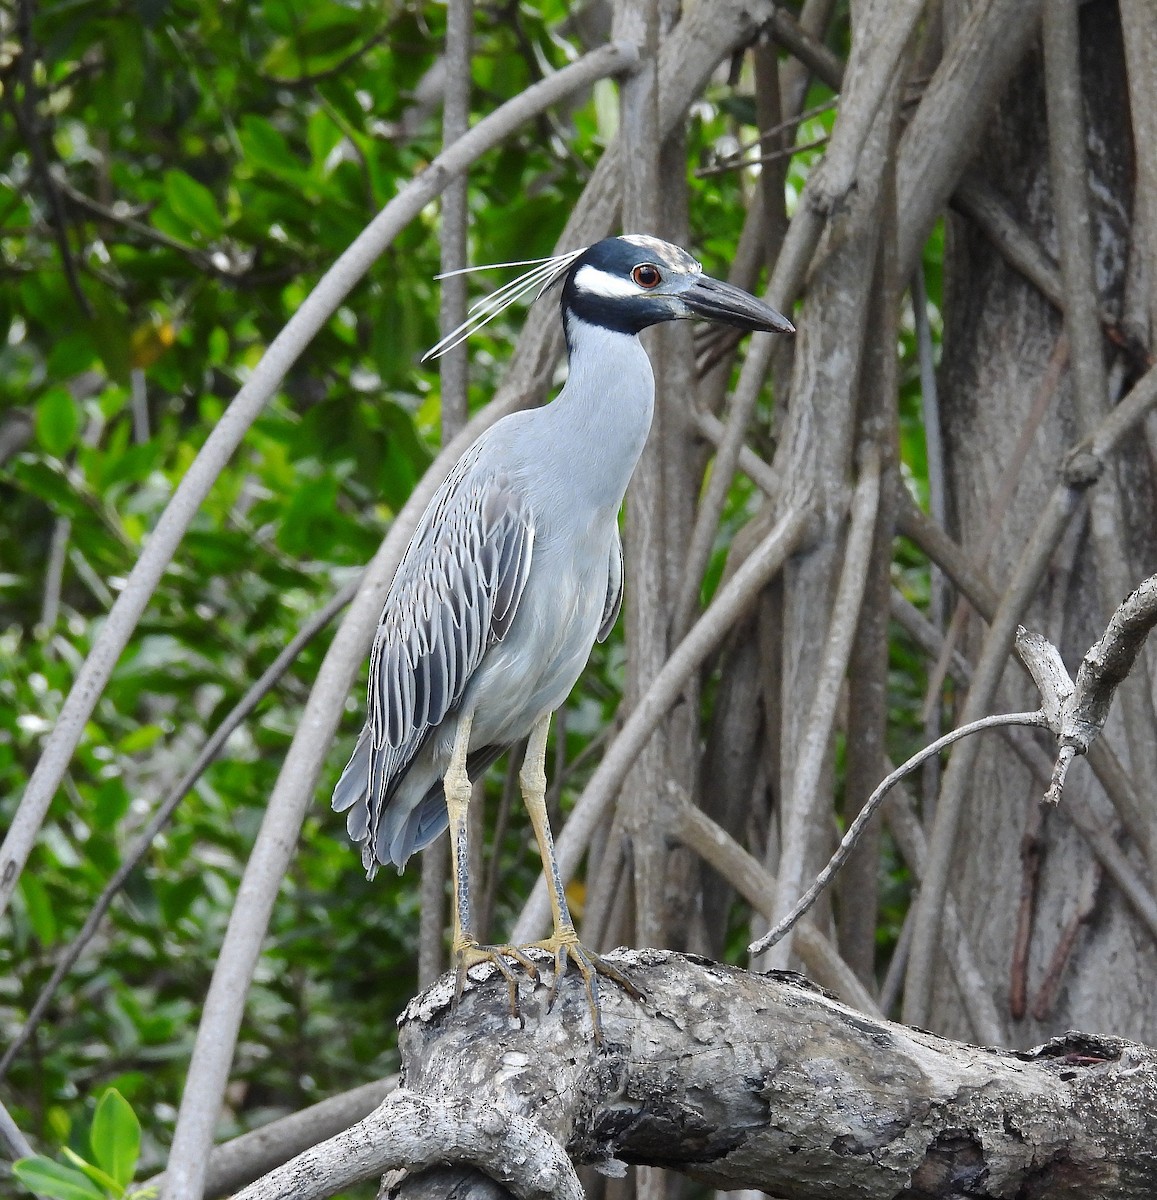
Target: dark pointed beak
[{"x": 716, "y": 301}]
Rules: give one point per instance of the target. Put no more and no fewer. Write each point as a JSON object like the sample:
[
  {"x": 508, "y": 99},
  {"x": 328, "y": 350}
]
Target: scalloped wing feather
[{"x": 455, "y": 594}]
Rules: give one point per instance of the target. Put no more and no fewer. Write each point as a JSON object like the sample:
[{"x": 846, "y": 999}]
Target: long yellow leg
[
  {"x": 564, "y": 942},
  {"x": 456, "y": 785},
  {"x": 466, "y": 950}
]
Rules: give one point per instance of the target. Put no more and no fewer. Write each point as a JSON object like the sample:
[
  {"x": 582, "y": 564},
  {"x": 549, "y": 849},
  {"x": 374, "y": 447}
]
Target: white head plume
[{"x": 543, "y": 272}]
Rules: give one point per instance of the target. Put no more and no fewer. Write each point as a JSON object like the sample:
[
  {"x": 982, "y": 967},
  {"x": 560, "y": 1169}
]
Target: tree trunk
[{"x": 1084, "y": 959}]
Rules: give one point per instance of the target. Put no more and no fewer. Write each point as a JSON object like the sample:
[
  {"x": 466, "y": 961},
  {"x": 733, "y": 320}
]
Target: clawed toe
[
  {"x": 471, "y": 954},
  {"x": 565, "y": 949}
]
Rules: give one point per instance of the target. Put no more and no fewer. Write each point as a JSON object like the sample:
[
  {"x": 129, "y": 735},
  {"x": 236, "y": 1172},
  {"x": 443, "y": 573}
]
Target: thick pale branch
[
  {"x": 240, "y": 1161},
  {"x": 412, "y": 1131},
  {"x": 748, "y": 1081}
]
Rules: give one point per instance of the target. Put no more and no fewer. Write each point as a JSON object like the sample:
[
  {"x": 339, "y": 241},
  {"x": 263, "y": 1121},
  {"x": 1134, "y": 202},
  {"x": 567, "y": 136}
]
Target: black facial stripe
[{"x": 630, "y": 314}]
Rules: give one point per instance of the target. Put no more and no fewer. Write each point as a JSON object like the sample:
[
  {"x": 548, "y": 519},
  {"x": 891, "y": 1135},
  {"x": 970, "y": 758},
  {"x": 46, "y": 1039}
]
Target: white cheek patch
[{"x": 601, "y": 283}]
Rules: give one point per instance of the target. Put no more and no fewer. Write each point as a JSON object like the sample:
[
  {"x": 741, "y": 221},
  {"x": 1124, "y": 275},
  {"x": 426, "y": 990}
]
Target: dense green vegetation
[{"x": 173, "y": 179}]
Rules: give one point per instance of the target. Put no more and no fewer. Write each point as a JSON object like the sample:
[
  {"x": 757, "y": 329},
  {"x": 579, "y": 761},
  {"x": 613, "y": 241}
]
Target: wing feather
[
  {"x": 456, "y": 593},
  {"x": 614, "y": 600}
]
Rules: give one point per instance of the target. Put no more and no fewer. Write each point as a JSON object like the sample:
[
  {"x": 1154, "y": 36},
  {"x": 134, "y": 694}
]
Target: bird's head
[
  {"x": 621, "y": 283},
  {"x": 628, "y": 283}
]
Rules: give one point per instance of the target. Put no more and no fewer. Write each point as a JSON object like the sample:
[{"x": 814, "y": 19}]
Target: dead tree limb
[{"x": 742, "y": 1080}]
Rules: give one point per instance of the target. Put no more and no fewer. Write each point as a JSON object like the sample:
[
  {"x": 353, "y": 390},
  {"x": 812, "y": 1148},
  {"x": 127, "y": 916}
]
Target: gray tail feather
[{"x": 407, "y": 824}]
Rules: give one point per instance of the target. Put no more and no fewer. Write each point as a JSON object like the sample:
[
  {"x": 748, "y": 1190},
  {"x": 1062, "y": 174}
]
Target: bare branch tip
[{"x": 1060, "y": 771}]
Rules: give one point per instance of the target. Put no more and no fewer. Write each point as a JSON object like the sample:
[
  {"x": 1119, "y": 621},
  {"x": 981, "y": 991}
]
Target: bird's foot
[
  {"x": 566, "y": 947},
  {"x": 470, "y": 953}
]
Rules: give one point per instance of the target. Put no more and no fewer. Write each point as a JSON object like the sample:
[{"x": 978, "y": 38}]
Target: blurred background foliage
[{"x": 174, "y": 177}]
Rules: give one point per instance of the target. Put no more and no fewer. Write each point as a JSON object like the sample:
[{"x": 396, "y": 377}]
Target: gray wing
[
  {"x": 455, "y": 594},
  {"x": 614, "y": 600}
]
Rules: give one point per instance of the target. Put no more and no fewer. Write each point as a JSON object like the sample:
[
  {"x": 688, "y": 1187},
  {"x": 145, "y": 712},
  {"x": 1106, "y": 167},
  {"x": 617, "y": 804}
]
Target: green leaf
[
  {"x": 39, "y": 909},
  {"x": 267, "y": 150},
  {"x": 116, "y": 1137},
  {"x": 107, "y": 1184},
  {"x": 49, "y": 1178},
  {"x": 328, "y": 38},
  {"x": 193, "y": 203},
  {"x": 57, "y": 421}
]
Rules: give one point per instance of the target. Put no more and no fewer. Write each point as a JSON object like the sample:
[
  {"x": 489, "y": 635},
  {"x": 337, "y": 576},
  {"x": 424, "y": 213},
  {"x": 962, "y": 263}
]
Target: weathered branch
[
  {"x": 242, "y": 1159},
  {"x": 742, "y": 1080},
  {"x": 1077, "y": 712},
  {"x": 408, "y": 1130}
]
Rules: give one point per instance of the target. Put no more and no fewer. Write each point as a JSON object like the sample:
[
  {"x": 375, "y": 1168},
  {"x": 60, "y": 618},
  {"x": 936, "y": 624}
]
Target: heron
[{"x": 513, "y": 572}]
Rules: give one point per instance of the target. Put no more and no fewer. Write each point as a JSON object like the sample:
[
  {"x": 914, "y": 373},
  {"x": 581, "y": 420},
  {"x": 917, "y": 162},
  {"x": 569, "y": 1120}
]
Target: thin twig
[
  {"x": 26, "y": 112},
  {"x": 855, "y": 831},
  {"x": 731, "y": 163}
]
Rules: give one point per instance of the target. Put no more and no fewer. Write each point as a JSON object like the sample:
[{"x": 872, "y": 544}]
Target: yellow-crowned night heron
[{"x": 512, "y": 573}]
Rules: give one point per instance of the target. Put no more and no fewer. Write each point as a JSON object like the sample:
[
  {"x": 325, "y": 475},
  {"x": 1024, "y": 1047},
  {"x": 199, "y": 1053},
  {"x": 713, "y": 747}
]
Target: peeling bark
[{"x": 742, "y": 1080}]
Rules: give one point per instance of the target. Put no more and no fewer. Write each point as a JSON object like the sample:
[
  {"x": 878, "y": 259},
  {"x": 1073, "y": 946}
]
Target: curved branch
[
  {"x": 857, "y": 827},
  {"x": 264, "y": 685},
  {"x": 412, "y": 1131}
]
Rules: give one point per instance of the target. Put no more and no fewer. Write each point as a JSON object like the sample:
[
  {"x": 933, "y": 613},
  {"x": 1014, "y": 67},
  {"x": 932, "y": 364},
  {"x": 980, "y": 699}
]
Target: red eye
[{"x": 646, "y": 275}]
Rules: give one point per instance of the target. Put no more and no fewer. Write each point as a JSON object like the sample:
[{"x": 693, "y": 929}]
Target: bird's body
[
  {"x": 512, "y": 573},
  {"x": 570, "y": 594}
]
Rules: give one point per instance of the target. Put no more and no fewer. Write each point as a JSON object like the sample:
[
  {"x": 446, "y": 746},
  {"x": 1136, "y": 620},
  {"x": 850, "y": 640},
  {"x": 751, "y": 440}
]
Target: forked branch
[{"x": 1074, "y": 713}]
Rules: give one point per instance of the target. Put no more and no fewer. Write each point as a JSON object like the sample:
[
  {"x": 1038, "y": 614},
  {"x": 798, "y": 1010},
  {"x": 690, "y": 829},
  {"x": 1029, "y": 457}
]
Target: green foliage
[{"x": 115, "y": 1143}]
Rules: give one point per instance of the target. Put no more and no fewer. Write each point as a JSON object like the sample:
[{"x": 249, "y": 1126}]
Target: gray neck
[{"x": 603, "y": 413}]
